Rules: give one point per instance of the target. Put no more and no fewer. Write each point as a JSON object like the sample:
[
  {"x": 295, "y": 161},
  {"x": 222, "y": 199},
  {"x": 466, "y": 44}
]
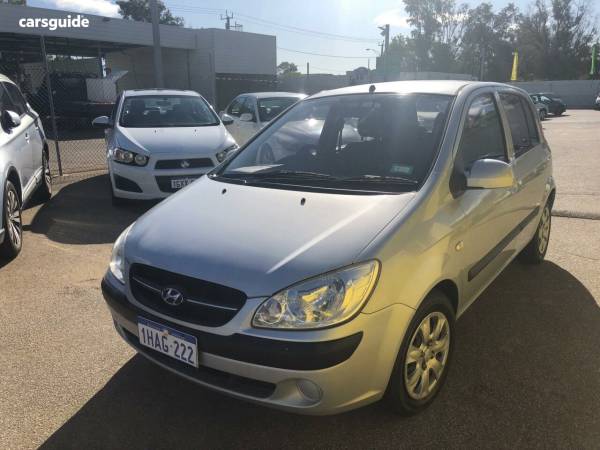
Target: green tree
[
  {"x": 437, "y": 29},
  {"x": 555, "y": 41},
  {"x": 286, "y": 68},
  {"x": 139, "y": 10},
  {"x": 488, "y": 41}
]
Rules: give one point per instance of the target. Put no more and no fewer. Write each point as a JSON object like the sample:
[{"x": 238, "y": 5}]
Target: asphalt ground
[{"x": 526, "y": 370}]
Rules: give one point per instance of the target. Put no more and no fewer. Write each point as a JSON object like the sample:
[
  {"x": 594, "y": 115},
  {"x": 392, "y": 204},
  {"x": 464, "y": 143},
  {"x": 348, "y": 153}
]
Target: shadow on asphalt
[
  {"x": 82, "y": 213},
  {"x": 525, "y": 374}
]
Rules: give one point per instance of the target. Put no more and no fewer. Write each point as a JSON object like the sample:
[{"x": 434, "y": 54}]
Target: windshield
[
  {"x": 161, "y": 111},
  {"x": 372, "y": 142},
  {"x": 269, "y": 108}
]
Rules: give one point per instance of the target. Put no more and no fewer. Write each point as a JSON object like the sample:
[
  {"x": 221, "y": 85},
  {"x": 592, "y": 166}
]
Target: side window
[
  {"x": 249, "y": 107},
  {"x": 482, "y": 135},
  {"x": 8, "y": 101},
  {"x": 235, "y": 107},
  {"x": 17, "y": 98},
  {"x": 522, "y": 126}
]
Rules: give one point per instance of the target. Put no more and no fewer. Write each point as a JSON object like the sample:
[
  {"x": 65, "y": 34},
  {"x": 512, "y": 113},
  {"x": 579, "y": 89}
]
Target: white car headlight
[
  {"x": 117, "y": 260},
  {"x": 223, "y": 154},
  {"x": 321, "y": 301},
  {"x": 127, "y": 157}
]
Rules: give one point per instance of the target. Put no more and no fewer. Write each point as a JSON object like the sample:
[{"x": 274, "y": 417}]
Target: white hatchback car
[
  {"x": 249, "y": 113},
  {"x": 160, "y": 140}
]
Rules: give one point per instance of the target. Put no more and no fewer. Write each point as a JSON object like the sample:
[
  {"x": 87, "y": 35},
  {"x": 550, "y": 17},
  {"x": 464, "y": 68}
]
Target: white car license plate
[
  {"x": 178, "y": 183},
  {"x": 180, "y": 346}
]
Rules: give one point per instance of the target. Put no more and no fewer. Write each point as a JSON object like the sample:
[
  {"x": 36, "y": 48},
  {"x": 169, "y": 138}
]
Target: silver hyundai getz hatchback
[{"x": 322, "y": 267}]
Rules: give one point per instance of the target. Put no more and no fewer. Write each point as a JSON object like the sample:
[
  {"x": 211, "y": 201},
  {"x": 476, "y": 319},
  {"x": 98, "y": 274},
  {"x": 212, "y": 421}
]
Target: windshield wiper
[
  {"x": 284, "y": 173},
  {"x": 382, "y": 179}
]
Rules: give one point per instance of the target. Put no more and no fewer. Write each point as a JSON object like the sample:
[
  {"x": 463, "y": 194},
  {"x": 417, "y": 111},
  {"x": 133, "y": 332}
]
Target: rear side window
[
  {"x": 482, "y": 135},
  {"x": 17, "y": 98},
  {"x": 521, "y": 123}
]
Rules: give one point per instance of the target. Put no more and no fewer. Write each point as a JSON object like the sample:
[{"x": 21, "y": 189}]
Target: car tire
[
  {"x": 44, "y": 192},
  {"x": 410, "y": 388},
  {"x": 535, "y": 251},
  {"x": 542, "y": 115},
  {"x": 11, "y": 222}
]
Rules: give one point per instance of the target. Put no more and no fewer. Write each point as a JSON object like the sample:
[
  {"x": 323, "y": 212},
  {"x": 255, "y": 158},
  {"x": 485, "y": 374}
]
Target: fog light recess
[{"x": 309, "y": 390}]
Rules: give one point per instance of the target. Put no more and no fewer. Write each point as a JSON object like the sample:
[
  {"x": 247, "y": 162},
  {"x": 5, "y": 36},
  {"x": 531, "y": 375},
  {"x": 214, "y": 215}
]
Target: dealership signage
[{"x": 77, "y": 21}]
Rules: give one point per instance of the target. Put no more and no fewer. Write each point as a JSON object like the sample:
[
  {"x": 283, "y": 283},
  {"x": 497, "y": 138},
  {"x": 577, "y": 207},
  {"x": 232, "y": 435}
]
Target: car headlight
[
  {"x": 321, "y": 301},
  {"x": 128, "y": 157},
  {"x": 117, "y": 259},
  {"x": 223, "y": 154}
]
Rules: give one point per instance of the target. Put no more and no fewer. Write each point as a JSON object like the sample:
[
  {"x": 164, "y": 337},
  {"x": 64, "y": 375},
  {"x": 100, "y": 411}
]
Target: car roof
[
  {"x": 444, "y": 87},
  {"x": 139, "y": 92},
  {"x": 274, "y": 94}
]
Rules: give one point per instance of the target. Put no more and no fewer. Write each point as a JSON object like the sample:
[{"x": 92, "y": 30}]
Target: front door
[
  {"x": 488, "y": 218},
  {"x": 18, "y": 139}
]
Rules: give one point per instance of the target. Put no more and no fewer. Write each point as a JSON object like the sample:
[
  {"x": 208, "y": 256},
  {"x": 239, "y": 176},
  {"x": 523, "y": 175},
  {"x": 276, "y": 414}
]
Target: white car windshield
[
  {"x": 162, "y": 111},
  {"x": 372, "y": 142}
]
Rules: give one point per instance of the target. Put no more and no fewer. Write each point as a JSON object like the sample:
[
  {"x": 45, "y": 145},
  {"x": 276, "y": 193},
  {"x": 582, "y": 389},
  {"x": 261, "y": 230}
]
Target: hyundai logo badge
[{"x": 172, "y": 296}]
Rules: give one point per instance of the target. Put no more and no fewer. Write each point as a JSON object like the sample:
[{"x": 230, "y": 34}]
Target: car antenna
[{"x": 372, "y": 89}]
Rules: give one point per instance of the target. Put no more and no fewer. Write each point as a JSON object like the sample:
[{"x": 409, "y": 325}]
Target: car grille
[
  {"x": 193, "y": 163},
  {"x": 164, "y": 182},
  {"x": 205, "y": 303}
]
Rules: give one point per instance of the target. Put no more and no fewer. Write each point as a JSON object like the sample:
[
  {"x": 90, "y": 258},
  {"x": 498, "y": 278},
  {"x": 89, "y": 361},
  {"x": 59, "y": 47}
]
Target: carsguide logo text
[{"x": 53, "y": 24}]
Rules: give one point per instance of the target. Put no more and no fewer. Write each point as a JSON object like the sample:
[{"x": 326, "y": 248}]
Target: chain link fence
[{"x": 68, "y": 92}]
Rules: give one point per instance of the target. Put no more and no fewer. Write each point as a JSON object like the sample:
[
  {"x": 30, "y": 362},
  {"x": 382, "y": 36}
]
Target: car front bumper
[
  {"x": 145, "y": 179},
  {"x": 335, "y": 370}
]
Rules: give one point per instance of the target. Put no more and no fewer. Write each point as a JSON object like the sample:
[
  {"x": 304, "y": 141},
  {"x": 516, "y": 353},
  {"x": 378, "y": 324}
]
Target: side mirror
[
  {"x": 226, "y": 119},
  {"x": 10, "y": 119},
  {"x": 247, "y": 117},
  {"x": 102, "y": 122},
  {"x": 490, "y": 174}
]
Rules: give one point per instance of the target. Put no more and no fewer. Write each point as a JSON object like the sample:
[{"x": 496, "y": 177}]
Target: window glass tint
[
  {"x": 268, "y": 108},
  {"x": 161, "y": 111},
  {"x": 16, "y": 99},
  {"x": 235, "y": 107},
  {"x": 248, "y": 107},
  {"x": 354, "y": 140},
  {"x": 522, "y": 127},
  {"x": 482, "y": 135}
]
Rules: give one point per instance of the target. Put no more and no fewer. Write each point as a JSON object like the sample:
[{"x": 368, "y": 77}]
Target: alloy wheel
[
  {"x": 544, "y": 231},
  {"x": 427, "y": 356},
  {"x": 13, "y": 216}
]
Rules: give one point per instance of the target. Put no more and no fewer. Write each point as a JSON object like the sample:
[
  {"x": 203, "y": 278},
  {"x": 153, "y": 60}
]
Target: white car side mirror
[{"x": 490, "y": 174}]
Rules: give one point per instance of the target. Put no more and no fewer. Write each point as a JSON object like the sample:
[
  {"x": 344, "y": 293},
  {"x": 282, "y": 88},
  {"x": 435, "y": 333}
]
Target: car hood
[
  {"x": 259, "y": 240},
  {"x": 180, "y": 140}
]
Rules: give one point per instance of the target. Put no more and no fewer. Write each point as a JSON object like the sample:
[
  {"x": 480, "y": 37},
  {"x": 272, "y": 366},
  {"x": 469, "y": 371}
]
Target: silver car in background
[
  {"x": 249, "y": 113},
  {"x": 24, "y": 167},
  {"x": 327, "y": 273},
  {"x": 159, "y": 141}
]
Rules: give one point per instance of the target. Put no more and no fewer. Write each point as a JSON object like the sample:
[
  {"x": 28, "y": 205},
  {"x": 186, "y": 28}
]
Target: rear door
[{"x": 17, "y": 142}]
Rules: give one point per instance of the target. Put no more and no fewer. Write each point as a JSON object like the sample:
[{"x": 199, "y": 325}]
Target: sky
[{"x": 352, "y": 22}]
